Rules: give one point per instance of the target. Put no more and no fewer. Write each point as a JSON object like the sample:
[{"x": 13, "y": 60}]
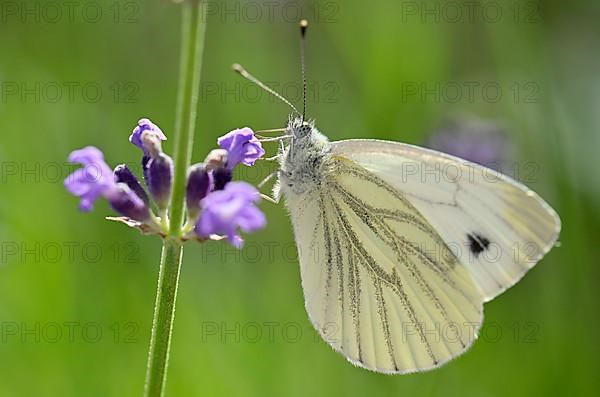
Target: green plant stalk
[
  {"x": 164, "y": 314},
  {"x": 192, "y": 46}
]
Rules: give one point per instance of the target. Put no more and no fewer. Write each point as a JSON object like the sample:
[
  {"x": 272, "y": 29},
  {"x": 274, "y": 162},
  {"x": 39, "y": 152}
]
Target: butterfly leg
[
  {"x": 267, "y": 179},
  {"x": 272, "y": 158},
  {"x": 273, "y": 139},
  {"x": 269, "y": 198}
]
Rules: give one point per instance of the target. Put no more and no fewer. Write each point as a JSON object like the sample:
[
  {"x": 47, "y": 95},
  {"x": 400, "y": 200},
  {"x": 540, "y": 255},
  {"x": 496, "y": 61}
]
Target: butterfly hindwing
[{"x": 380, "y": 284}]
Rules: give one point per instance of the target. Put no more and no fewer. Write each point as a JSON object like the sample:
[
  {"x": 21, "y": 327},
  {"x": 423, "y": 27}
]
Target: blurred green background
[{"x": 76, "y": 292}]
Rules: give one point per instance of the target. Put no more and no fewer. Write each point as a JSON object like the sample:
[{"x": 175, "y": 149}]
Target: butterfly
[{"x": 400, "y": 246}]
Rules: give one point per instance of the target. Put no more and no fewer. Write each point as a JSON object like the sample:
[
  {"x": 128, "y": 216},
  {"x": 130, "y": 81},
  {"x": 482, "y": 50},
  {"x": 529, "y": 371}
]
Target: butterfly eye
[{"x": 304, "y": 130}]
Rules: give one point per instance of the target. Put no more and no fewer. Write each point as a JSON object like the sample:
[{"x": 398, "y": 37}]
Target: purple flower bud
[
  {"x": 221, "y": 177},
  {"x": 145, "y": 125},
  {"x": 226, "y": 211},
  {"x": 242, "y": 147},
  {"x": 216, "y": 158},
  {"x": 151, "y": 143},
  {"x": 127, "y": 203},
  {"x": 124, "y": 175},
  {"x": 92, "y": 181},
  {"x": 198, "y": 186},
  {"x": 160, "y": 178}
]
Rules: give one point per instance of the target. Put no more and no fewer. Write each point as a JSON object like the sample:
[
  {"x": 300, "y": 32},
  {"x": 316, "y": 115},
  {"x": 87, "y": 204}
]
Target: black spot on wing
[{"x": 477, "y": 243}]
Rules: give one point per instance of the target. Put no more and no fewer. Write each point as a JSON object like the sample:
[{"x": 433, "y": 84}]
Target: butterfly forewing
[
  {"x": 381, "y": 285},
  {"x": 497, "y": 227}
]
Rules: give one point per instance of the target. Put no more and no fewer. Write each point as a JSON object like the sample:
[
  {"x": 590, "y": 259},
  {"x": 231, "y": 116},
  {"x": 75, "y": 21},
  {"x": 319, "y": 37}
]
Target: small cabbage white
[{"x": 400, "y": 246}]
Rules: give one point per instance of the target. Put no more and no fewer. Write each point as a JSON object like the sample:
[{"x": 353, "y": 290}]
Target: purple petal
[
  {"x": 226, "y": 211},
  {"x": 145, "y": 125},
  {"x": 95, "y": 179},
  {"x": 242, "y": 147},
  {"x": 236, "y": 241},
  {"x": 251, "y": 220},
  {"x": 87, "y": 155},
  {"x": 78, "y": 182}
]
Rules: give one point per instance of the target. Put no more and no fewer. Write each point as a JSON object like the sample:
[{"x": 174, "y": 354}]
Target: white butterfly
[{"x": 401, "y": 246}]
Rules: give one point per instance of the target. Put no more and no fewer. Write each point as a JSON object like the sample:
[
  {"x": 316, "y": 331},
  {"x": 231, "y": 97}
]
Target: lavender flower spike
[
  {"x": 224, "y": 211},
  {"x": 145, "y": 125},
  {"x": 242, "y": 147},
  {"x": 95, "y": 179}
]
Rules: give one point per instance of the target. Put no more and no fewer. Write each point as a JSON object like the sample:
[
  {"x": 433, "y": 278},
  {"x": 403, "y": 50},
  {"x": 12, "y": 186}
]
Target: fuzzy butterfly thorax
[{"x": 302, "y": 160}]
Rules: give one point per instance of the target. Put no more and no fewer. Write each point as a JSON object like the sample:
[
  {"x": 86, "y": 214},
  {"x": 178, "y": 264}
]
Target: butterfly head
[
  {"x": 298, "y": 128},
  {"x": 302, "y": 158}
]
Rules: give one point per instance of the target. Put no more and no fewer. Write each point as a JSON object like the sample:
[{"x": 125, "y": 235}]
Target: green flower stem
[
  {"x": 164, "y": 314},
  {"x": 192, "y": 45}
]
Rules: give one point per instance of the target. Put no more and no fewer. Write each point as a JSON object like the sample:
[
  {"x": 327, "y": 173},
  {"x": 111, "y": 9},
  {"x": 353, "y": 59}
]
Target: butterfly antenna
[
  {"x": 244, "y": 73},
  {"x": 303, "y": 27}
]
